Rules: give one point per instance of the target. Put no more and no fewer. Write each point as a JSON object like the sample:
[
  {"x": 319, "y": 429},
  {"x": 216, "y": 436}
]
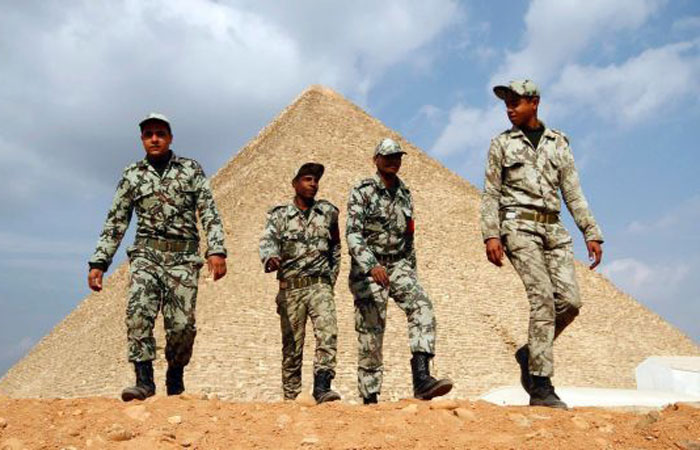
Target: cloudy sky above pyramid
[{"x": 619, "y": 77}]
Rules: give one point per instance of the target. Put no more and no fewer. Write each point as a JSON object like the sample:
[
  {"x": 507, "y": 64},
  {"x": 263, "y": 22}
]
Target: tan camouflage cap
[
  {"x": 387, "y": 147},
  {"x": 155, "y": 116},
  {"x": 524, "y": 88}
]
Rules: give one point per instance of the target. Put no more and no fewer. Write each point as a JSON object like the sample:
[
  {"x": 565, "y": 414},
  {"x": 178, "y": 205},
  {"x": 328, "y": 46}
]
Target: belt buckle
[{"x": 510, "y": 215}]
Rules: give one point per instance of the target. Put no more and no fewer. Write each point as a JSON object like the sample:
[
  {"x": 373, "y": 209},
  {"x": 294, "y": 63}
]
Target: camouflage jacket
[
  {"x": 379, "y": 224},
  {"x": 520, "y": 177},
  {"x": 306, "y": 247},
  {"x": 165, "y": 207}
]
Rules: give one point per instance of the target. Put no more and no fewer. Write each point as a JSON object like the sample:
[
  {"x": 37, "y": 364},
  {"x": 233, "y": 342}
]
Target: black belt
[
  {"x": 296, "y": 283},
  {"x": 388, "y": 259},
  {"x": 168, "y": 245},
  {"x": 548, "y": 218}
]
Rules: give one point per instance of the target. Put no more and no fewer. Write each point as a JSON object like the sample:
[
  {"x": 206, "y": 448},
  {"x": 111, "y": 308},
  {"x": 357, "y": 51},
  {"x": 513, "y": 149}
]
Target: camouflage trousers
[
  {"x": 543, "y": 256},
  {"x": 370, "y": 320},
  {"x": 294, "y": 306},
  {"x": 167, "y": 282}
]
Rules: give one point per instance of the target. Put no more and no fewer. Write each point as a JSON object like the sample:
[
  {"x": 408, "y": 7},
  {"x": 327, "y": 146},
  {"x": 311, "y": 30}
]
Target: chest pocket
[
  {"x": 145, "y": 199},
  {"x": 552, "y": 168},
  {"x": 292, "y": 244},
  {"x": 184, "y": 198},
  {"x": 515, "y": 167},
  {"x": 320, "y": 239}
]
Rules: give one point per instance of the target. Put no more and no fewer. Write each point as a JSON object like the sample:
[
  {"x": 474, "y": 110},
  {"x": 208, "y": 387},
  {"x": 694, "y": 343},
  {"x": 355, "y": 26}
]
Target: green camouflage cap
[
  {"x": 523, "y": 88},
  {"x": 387, "y": 147},
  {"x": 154, "y": 116}
]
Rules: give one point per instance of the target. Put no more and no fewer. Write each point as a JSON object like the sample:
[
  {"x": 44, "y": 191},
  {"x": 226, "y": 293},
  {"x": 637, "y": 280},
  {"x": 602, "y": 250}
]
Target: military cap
[
  {"x": 523, "y": 88},
  {"x": 387, "y": 147},
  {"x": 310, "y": 168},
  {"x": 154, "y": 116}
]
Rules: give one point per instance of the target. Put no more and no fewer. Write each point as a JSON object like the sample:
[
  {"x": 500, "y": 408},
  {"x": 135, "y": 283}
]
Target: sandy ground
[{"x": 193, "y": 421}]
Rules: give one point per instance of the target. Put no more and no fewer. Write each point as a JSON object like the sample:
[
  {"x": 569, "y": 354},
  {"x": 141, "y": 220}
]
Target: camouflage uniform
[
  {"x": 380, "y": 232},
  {"x": 164, "y": 264},
  {"x": 309, "y": 249},
  {"x": 523, "y": 179}
]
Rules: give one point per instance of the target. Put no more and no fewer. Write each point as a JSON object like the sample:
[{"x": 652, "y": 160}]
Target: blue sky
[{"x": 619, "y": 77}]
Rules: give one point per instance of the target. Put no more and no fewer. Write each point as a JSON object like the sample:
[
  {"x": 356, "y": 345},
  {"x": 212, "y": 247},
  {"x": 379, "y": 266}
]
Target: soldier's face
[
  {"x": 306, "y": 186},
  {"x": 388, "y": 164},
  {"x": 156, "y": 139},
  {"x": 521, "y": 110}
]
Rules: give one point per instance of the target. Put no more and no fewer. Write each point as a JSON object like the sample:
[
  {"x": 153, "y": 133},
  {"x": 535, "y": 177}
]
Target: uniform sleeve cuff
[{"x": 216, "y": 251}]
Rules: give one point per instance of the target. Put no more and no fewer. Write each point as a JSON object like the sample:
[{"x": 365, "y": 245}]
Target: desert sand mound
[{"x": 208, "y": 423}]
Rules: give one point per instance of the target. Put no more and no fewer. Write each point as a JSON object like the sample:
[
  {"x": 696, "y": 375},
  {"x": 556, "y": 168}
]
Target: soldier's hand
[
  {"x": 217, "y": 266},
  {"x": 494, "y": 251},
  {"x": 380, "y": 276},
  {"x": 272, "y": 264},
  {"x": 595, "y": 253},
  {"x": 95, "y": 279}
]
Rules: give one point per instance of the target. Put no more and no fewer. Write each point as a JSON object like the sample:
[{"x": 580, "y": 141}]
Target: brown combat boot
[
  {"x": 145, "y": 387},
  {"x": 425, "y": 386}
]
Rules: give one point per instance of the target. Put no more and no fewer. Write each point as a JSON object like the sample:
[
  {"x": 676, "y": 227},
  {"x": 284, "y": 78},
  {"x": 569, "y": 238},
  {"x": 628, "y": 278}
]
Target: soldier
[
  {"x": 380, "y": 229},
  {"x": 165, "y": 190},
  {"x": 301, "y": 242},
  {"x": 527, "y": 166}
]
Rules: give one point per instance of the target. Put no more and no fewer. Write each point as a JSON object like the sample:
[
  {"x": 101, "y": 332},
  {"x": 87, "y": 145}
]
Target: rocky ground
[{"x": 192, "y": 421}]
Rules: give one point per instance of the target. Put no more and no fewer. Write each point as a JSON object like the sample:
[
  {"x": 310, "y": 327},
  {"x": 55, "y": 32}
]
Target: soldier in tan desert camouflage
[
  {"x": 166, "y": 191},
  {"x": 301, "y": 242},
  {"x": 527, "y": 167}
]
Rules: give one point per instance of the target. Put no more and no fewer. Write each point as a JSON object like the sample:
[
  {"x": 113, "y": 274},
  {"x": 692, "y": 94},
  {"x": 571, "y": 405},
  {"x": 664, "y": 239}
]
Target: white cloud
[
  {"x": 558, "y": 31},
  {"x": 77, "y": 77},
  {"x": 638, "y": 89},
  {"x": 467, "y": 136},
  {"x": 655, "y": 283},
  {"x": 681, "y": 220}
]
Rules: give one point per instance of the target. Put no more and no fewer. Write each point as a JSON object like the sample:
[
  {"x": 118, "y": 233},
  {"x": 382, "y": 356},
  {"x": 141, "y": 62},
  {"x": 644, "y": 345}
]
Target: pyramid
[{"x": 481, "y": 310}]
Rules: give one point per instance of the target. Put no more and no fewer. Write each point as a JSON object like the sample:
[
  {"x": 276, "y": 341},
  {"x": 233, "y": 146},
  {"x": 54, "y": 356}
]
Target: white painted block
[{"x": 670, "y": 373}]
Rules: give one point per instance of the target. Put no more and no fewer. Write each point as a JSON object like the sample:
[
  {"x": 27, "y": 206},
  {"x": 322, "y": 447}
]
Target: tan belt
[
  {"x": 168, "y": 245},
  {"x": 548, "y": 218},
  {"x": 296, "y": 283}
]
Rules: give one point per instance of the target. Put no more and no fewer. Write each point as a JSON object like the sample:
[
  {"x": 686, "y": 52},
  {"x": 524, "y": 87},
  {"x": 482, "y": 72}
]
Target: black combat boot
[
  {"x": 173, "y": 380},
  {"x": 522, "y": 356},
  {"x": 426, "y": 387},
  {"x": 543, "y": 393},
  {"x": 145, "y": 387},
  {"x": 322, "y": 387},
  {"x": 371, "y": 400}
]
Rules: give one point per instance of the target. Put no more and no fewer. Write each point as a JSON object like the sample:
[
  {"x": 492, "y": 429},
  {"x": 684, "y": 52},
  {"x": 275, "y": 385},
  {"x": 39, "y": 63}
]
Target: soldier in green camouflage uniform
[
  {"x": 527, "y": 167},
  {"x": 166, "y": 191},
  {"x": 301, "y": 242},
  {"x": 380, "y": 229}
]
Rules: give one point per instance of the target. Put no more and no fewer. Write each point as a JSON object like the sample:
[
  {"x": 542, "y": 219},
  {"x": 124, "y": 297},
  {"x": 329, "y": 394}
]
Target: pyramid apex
[{"x": 320, "y": 89}]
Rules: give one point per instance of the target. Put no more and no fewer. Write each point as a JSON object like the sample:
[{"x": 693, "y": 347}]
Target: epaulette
[
  {"x": 367, "y": 182},
  {"x": 275, "y": 208},
  {"x": 560, "y": 133},
  {"x": 323, "y": 202}
]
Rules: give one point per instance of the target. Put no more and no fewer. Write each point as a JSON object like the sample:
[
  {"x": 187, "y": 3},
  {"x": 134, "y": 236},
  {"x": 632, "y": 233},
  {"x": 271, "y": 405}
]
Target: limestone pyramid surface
[{"x": 481, "y": 310}]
